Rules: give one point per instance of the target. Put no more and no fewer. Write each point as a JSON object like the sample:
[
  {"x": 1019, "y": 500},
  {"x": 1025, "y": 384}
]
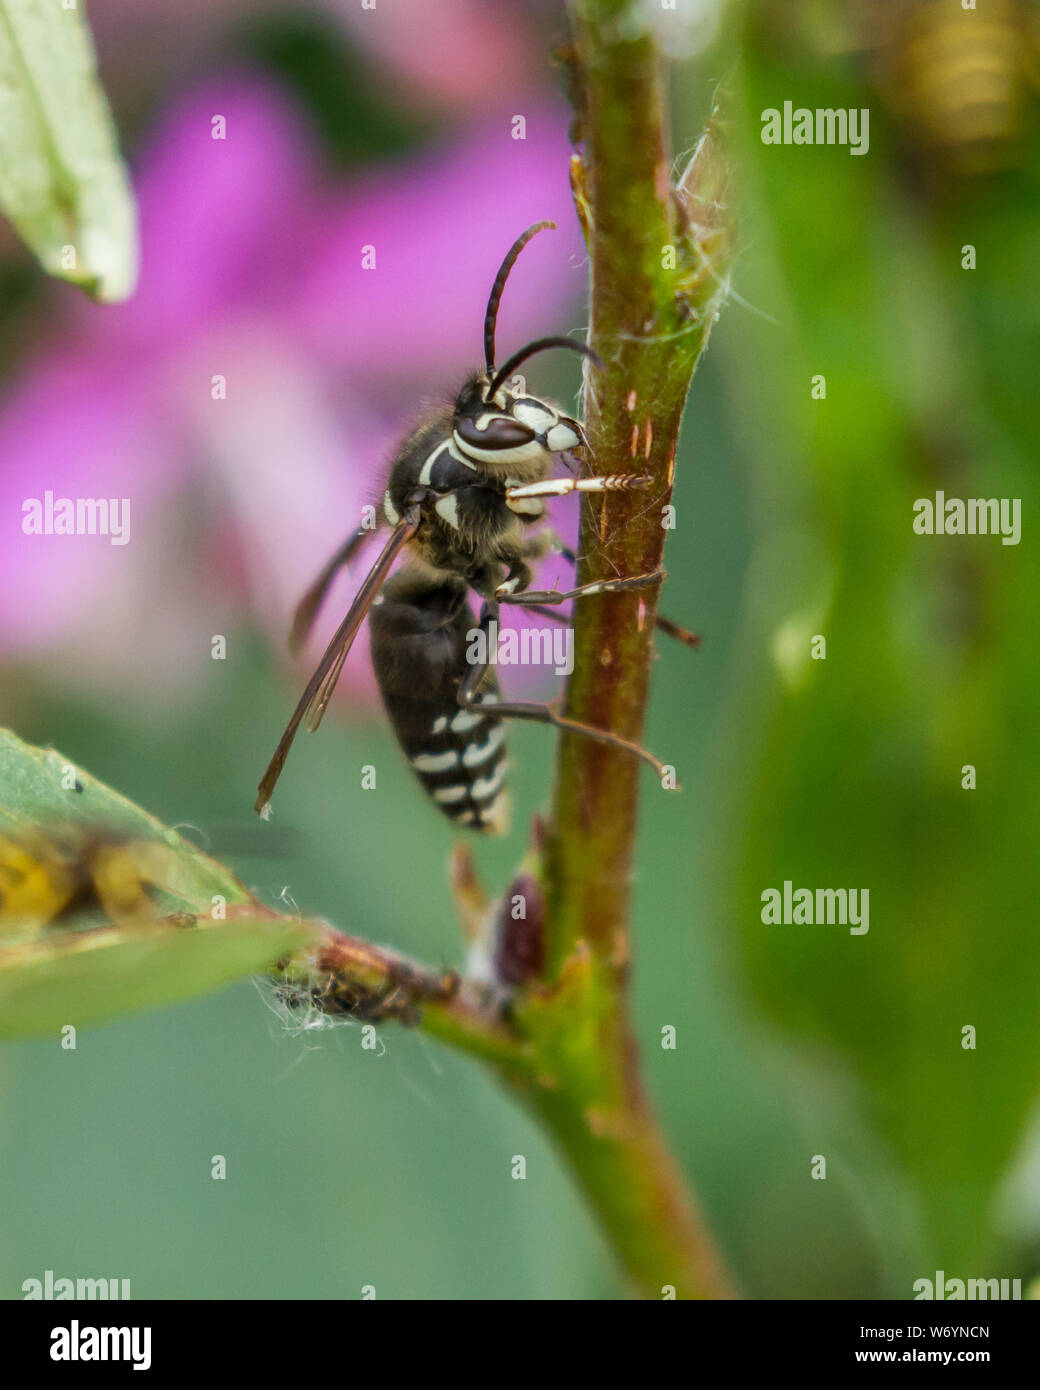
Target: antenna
[
  {"x": 540, "y": 345},
  {"x": 491, "y": 317}
]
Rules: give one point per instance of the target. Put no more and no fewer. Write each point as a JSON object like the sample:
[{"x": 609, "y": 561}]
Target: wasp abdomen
[{"x": 419, "y": 652}]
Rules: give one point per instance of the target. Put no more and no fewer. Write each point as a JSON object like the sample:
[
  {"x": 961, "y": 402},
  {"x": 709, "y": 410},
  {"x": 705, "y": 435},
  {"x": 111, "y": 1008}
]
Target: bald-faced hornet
[{"x": 465, "y": 491}]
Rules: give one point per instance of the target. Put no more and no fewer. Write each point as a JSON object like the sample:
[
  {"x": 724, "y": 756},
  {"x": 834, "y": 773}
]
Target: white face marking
[
  {"x": 460, "y": 458},
  {"x": 447, "y": 796},
  {"x": 439, "y": 724},
  {"x": 389, "y": 510},
  {"x": 466, "y": 720},
  {"x": 435, "y": 762},
  {"x": 448, "y": 508},
  {"x": 561, "y": 437},
  {"x": 466, "y": 817},
  {"x": 427, "y": 468},
  {"x": 538, "y": 417},
  {"x": 521, "y": 453},
  {"x": 479, "y": 753},
  {"x": 484, "y": 788}
]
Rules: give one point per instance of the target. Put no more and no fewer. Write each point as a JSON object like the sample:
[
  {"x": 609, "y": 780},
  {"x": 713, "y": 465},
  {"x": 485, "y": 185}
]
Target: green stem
[
  {"x": 649, "y": 323},
  {"x": 634, "y": 1186},
  {"x": 651, "y": 311},
  {"x": 342, "y": 974}
]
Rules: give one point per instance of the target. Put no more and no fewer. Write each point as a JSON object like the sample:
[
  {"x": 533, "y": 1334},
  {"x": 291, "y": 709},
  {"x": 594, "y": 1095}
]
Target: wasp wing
[
  {"x": 315, "y": 698},
  {"x": 307, "y": 608}
]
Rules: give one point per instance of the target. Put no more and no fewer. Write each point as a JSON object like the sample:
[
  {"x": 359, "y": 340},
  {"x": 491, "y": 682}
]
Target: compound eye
[{"x": 493, "y": 432}]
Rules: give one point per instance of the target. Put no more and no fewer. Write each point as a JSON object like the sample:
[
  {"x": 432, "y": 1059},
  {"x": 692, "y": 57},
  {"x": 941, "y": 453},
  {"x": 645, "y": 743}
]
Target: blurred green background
[{"x": 347, "y": 1168}]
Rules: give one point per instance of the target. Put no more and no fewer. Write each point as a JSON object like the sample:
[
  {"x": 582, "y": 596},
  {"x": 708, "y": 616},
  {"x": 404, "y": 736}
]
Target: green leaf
[
  {"x": 62, "y": 181},
  {"x": 86, "y": 972},
  {"x": 87, "y": 977}
]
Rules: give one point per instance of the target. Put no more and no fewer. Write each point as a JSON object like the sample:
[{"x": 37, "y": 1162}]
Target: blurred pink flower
[
  {"x": 251, "y": 274},
  {"x": 457, "y": 56},
  {"x": 439, "y": 239}
]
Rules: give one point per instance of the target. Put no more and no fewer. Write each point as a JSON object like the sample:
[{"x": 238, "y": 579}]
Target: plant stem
[
  {"x": 341, "y": 974},
  {"x": 649, "y": 323},
  {"x": 651, "y": 312},
  {"x": 634, "y": 1186}
]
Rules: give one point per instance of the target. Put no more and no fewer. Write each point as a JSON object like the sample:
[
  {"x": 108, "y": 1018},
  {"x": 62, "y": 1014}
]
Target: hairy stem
[
  {"x": 343, "y": 975},
  {"x": 655, "y": 252}
]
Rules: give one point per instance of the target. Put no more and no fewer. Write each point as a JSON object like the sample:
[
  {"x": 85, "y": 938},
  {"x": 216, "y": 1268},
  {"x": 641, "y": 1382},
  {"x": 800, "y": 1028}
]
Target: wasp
[
  {"x": 959, "y": 80},
  {"x": 464, "y": 501}
]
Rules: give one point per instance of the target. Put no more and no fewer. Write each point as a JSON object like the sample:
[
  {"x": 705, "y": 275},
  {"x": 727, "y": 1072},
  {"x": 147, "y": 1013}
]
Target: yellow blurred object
[
  {"x": 957, "y": 83},
  {"x": 958, "y": 80},
  {"x": 46, "y": 876}
]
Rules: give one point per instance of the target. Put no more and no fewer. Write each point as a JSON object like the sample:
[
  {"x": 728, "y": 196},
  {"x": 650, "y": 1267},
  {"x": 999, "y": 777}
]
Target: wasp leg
[
  {"x": 531, "y": 598},
  {"x": 544, "y": 611},
  {"x": 663, "y": 624},
  {"x": 518, "y": 579},
  {"x": 562, "y": 487},
  {"x": 681, "y": 634},
  {"x": 469, "y": 693}
]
